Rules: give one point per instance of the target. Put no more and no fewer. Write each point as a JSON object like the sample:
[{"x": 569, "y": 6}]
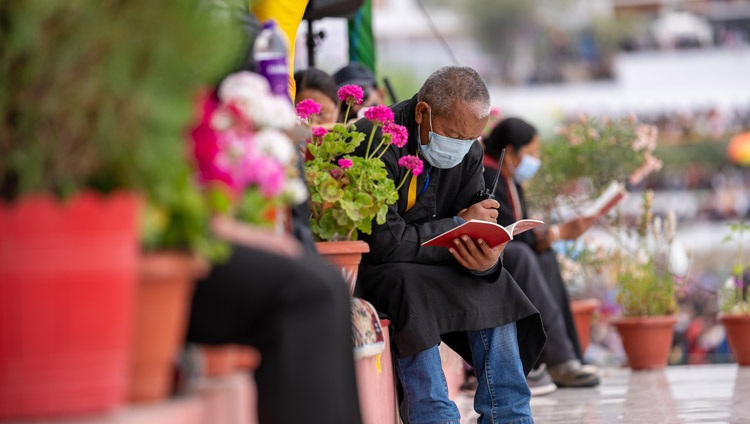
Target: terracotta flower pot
[
  {"x": 647, "y": 340},
  {"x": 583, "y": 312},
  {"x": 738, "y": 334},
  {"x": 219, "y": 361},
  {"x": 166, "y": 283},
  {"x": 346, "y": 256},
  {"x": 68, "y": 275}
]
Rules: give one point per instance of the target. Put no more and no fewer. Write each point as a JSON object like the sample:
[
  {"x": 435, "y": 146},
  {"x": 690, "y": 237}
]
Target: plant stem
[
  {"x": 369, "y": 141},
  {"x": 346, "y": 115},
  {"x": 403, "y": 180}
]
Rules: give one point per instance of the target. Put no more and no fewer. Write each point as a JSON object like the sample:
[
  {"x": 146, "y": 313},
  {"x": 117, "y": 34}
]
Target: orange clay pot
[
  {"x": 647, "y": 340},
  {"x": 166, "y": 283},
  {"x": 583, "y": 313},
  {"x": 346, "y": 256},
  {"x": 738, "y": 334}
]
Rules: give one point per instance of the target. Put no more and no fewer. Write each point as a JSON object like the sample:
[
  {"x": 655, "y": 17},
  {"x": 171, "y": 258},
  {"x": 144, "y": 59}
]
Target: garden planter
[
  {"x": 219, "y": 360},
  {"x": 647, "y": 340},
  {"x": 68, "y": 275},
  {"x": 346, "y": 256},
  {"x": 166, "y": 284},
  {"x": 583, "y": 312},
  {"x": 738, "y": 334}
]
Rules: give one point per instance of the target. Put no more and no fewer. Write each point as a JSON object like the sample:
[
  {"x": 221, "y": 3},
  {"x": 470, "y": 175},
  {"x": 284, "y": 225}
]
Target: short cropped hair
[{"x": 452, "y": 83}]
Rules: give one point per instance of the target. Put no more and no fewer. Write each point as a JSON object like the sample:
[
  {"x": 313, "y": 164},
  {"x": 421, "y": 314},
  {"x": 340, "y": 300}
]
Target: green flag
[{"x": 361, "y": 39}]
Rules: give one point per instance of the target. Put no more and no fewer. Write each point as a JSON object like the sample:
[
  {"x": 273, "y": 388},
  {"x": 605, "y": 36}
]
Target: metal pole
[{"x": 310, "y": 44}]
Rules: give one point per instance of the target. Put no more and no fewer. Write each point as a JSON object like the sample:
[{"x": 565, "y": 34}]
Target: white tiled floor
[{"x": 678, "y": 394}]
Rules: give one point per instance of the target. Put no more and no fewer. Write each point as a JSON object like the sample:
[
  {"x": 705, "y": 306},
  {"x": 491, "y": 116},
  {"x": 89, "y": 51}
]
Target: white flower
[
  {"x": 670, "y": 225},
  {"x": 679, "y": 260},
  {"x": 729, "y": 283},
  {"x": 243, "y": 86},
  {"x": 296, "y": 189},
  {"x": 657, "y": 228},
  {"x": 275, "y": 112},
  {"x": 275, "y": 144},
  {"x": 221, "y": 121}
]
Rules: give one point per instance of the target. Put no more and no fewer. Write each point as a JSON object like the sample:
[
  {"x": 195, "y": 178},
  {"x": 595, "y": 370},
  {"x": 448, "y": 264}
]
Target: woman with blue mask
[{"x": 561, "y": 357}]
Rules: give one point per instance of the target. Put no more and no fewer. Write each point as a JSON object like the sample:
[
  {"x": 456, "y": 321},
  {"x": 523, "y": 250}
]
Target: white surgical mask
[
  {"x": 444, "y": 152},
  {"x": 527, "y": 168}
]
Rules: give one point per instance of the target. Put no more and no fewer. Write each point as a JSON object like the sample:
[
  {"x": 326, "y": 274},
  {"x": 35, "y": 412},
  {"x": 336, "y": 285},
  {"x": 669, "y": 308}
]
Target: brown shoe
[{"x": 572, "y": 374}]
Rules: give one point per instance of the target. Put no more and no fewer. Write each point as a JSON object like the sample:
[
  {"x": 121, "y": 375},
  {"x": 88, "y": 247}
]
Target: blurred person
[
  {"x": 312, "y": 83},
  {"x": 358, "y": 74},
  {"x": 293, "y": 307},
  {"x": 433, "y": 294},
  {"x": 276, "y": 294},
  {"x": 562, "y": 356}
]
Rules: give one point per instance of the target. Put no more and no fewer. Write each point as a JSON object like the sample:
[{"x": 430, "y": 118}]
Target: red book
[{"x": 492, "y": 233}]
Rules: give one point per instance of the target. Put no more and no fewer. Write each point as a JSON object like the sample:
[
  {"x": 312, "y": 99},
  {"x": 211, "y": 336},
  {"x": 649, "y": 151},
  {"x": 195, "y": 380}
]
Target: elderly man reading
[{"x": 461, "y": 295}]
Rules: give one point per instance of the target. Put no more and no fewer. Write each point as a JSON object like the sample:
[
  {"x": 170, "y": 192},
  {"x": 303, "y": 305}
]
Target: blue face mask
[
  {"x": 444, "y": 152},
  {"x": 527, "y": 168}
]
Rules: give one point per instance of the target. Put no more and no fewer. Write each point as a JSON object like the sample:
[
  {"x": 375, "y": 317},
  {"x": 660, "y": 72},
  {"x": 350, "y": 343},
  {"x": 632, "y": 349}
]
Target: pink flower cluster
[
  {"x": 308, "y": 107},
  {"x": 412, "y": 163},
  {"x": 351, "y": 94},
  {"x": 398, "y": 133},
  {"x": 226, "y": 150},
  {"x": 379, "y": 115}
]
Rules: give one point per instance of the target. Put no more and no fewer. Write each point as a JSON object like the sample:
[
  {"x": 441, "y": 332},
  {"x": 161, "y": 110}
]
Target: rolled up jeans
[{"x": 502, "y": 395}]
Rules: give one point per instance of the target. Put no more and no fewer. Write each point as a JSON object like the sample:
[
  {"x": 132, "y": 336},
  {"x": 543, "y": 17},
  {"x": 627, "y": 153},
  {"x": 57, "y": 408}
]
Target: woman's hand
[
  {"x": 475, "y": 255},
  {"x": 573, "y": 228}
]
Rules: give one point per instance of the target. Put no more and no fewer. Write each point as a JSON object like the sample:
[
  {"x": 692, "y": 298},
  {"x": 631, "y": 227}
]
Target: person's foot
[
  {"x": 572, "y": 374},
  {"x": 540, "y": 382}
]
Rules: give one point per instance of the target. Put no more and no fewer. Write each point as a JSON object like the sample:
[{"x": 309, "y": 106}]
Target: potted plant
[
  {"x": 582, "y": 159},
  {"x": 646, "y": 278},
  {"x": 348, "y": 192},
  {"x": 586, "y": 155},
  {"x": 93, "y": 100},
  {"x": 735, "y": 305}
]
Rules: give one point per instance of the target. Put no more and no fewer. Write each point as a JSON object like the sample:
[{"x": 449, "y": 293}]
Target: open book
[
  {"x": 492, "y": 233},
  {"x": 611, "y": 196}
]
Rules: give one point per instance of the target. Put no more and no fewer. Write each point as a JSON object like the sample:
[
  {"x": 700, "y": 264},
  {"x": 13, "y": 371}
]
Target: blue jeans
[{"x": 502, "y": 395}]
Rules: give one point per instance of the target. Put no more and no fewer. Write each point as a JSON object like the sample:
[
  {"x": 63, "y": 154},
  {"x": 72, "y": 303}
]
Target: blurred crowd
[{"x": 701, "y": 123}]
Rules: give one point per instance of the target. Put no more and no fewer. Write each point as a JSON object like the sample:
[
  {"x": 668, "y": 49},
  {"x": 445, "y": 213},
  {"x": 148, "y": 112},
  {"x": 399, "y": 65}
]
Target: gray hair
[{"x": 452, "y": 83}]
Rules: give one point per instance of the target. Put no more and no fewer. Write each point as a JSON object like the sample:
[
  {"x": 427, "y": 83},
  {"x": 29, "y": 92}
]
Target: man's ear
[{"x": 421, "y": 112}]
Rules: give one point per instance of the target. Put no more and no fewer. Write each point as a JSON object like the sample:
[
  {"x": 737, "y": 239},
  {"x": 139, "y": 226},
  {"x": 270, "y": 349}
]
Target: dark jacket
[{"x": 426, "y": 293}]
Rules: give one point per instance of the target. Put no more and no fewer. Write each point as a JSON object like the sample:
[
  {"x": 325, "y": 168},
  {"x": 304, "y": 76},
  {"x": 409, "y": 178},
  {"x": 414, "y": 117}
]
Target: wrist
[{"x": 554, "y": 233}]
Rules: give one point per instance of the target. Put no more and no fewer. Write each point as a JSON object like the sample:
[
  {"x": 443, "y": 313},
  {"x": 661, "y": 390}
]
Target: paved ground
[{"x": 679, "y": 394}]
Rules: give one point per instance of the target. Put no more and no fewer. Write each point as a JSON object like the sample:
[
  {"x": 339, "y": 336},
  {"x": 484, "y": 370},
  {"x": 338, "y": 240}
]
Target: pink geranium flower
[
  {"x": 399, "y": 134},
  {"x": 319, "y": 132},
  {"x": 351, "y": 94},
  {"x": 345, "y": 163},
  {"x": 379, "y": 115},
  {"x": 412, "y": 163},
  {"x": 308, "y": 107}
]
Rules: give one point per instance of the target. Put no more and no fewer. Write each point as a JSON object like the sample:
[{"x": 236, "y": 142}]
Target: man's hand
[
  {"x": 475, "y": 255},
  {"x": 486, "y": 210}
]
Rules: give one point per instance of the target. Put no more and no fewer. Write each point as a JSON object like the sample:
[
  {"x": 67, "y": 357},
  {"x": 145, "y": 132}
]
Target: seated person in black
[
  {"x": 434, "y": 294},
  {"x": 530, "y": 254}
]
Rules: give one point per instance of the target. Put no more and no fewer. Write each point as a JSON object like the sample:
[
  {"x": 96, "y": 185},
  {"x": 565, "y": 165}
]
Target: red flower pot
[
  {"x": 738, "y": 334},
  {"x": 166, "y": 283},
  {"x": 68, "y": 273},
  {"x": 647, "y": 340},
  {"x": 583, "y": 313},
  {"x": 346, "y": 256}
]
